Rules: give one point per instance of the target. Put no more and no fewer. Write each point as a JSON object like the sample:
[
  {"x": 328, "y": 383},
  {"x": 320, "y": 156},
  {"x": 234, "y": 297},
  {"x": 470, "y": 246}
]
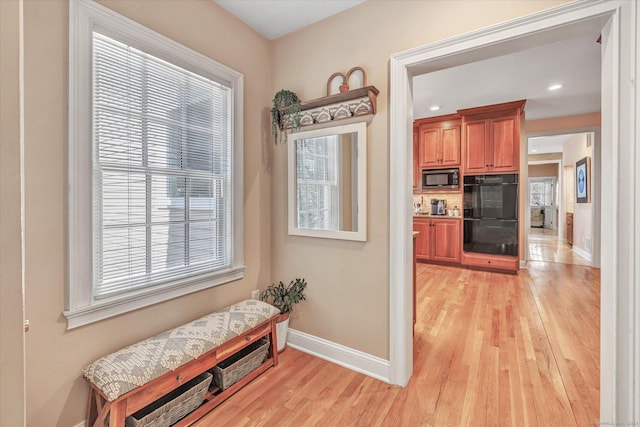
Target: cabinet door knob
[
  {"x": 248, "y": 338},
  {"x": 179, "y": 378}
]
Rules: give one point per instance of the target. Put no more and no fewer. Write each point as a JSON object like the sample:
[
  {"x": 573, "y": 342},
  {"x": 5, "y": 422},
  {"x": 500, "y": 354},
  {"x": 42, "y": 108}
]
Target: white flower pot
[{"x": 282, "y": 327}]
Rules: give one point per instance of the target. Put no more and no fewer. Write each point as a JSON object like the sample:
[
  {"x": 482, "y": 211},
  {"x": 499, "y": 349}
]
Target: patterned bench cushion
[{"x": 136, "y": 365}]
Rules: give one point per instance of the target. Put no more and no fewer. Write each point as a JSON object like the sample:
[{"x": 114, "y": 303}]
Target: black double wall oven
[{"x": 491, "y": 214}]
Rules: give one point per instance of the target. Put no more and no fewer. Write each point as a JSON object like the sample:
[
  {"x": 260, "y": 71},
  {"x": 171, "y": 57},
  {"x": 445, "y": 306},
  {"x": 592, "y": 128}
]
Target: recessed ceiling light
[
  {"x": 534, "y": 151},
  {"x": 555, "y": 86},
  {"x": 435, "y": 108}
]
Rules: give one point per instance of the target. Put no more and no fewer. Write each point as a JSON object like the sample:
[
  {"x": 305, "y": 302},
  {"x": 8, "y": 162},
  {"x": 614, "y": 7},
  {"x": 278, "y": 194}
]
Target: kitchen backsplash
[{"x": 453, "y": 200}]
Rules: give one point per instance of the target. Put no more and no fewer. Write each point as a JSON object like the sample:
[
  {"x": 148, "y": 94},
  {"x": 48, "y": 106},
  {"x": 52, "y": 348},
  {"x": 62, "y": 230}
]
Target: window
[{"x": 155, "y": 168}]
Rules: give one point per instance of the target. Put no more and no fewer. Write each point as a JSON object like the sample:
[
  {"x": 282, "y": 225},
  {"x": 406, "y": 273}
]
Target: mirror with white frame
[{"x": 327, "y": 182}]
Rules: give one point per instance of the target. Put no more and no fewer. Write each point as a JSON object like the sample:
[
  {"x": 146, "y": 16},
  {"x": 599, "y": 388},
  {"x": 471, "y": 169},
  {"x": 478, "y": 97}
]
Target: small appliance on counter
[
  {"x": 434, "y": 206},
  {"x": 438, "y": 207}
]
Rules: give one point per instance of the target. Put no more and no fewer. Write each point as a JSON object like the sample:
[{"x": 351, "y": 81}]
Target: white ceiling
[
  {"x": 548, "y": 144},
  {"x": 275, "y": 18},
  {"x": 573, "y": 61}
]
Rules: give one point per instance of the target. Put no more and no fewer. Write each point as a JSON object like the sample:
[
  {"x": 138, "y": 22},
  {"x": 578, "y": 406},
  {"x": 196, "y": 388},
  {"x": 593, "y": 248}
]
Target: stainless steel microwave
[{"x": 440, "y": 179}]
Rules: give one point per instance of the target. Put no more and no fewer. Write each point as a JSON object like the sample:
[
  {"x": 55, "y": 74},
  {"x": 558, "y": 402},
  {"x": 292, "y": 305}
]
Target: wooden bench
[{"x": 126, "y": 381}]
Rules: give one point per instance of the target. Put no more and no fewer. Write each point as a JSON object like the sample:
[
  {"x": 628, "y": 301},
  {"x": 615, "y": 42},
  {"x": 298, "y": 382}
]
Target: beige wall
[
  {"x": 12, "y": 399},
  {"x": 544, "y": 170},
  {"x": 56, "y": 394},
  {"x": 544, "y": 156},
  {"x": 580, "y": 121},
  {"x": 349, "y": 281}
]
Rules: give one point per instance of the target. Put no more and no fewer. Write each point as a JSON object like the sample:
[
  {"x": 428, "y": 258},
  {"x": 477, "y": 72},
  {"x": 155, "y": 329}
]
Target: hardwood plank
[{"x": 490, "y": 349}]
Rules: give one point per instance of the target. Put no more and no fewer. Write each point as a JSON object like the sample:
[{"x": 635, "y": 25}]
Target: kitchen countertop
[{"x": 426, "y": 215}]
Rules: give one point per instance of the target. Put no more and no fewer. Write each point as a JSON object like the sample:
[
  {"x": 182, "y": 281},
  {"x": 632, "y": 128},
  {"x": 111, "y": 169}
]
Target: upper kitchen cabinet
[
  {"x": 491, "y": 137},
  {"x": 439, "y": 141}
]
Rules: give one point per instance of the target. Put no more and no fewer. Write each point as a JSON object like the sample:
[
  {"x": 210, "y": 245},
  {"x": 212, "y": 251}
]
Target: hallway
[{"x": 545, "y": 246}]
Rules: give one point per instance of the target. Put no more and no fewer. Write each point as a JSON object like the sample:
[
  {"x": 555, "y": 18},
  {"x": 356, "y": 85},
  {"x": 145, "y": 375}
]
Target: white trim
[
  {"x": 400, "y": 221},
  {"x": 636, "y": 209},
  {"x": 581, "y": 252},
  {"x": 80, "y": 424},
  {"x": 609, "y": 300},
  {"x": 340, "y": 355},
  {"x": 523, "y": 265},
  {"x": 132, "y": 301},
  {"x": 80, "y": 306},
  {"x": 618, "y": 379}
]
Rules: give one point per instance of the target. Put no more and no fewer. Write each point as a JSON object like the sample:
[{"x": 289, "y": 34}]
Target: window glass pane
[{"x": 163, "y": 158}]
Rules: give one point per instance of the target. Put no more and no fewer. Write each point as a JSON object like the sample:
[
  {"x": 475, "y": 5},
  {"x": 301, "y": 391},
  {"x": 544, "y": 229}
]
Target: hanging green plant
[{"x": 286, "y": 107}]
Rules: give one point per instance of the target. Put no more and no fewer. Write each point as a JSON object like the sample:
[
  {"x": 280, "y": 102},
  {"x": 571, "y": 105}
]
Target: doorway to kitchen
[{"x": 617, "y": 369}]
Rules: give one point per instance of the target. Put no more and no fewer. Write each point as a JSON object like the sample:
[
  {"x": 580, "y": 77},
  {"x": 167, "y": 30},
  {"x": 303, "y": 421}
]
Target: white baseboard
[
  {"x": 340, "y": 355},
  {"x": 523, "y": 264},
  {"x": 80, "y": 424},
  {"x": 584, "y": 254}
]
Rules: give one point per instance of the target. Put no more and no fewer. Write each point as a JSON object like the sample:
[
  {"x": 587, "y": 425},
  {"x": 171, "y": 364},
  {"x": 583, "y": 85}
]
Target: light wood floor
[
  {"x": 545, "y": 246},
  {"x": 490, "y": 349}
]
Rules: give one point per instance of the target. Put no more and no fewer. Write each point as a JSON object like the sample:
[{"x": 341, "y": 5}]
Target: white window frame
[{"x": 81, "y": 307}]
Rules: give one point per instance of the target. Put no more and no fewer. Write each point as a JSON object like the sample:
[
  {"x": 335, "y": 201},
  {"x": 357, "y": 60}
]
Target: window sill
[{"x": 81, "y": 316}]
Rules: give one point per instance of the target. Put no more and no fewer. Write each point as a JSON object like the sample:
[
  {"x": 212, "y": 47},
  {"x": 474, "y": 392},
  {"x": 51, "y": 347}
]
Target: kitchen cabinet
[
  {"x": 492, "y": 138},
  {"x": 439, "y": 239},
  {"x": 494, "y": 262},
  {"x": 439, "y": 141},
  {"x": 569, "y": 228}
]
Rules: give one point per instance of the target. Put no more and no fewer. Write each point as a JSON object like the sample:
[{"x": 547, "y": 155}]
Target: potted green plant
[
  {"x": 286, "y": 107},
  {"x": 284, "y": 297}
]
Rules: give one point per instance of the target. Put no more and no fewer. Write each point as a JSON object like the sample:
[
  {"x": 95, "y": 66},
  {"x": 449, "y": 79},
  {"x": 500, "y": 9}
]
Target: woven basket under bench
[{"x": 124, "y": 382}]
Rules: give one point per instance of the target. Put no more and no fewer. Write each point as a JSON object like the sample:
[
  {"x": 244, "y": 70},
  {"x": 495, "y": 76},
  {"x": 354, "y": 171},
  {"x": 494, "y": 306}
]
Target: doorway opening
[
  {"x": 558, "y": 228},
  {"x": 543, "y": 204},
  {"x": 542, "y": 27}
]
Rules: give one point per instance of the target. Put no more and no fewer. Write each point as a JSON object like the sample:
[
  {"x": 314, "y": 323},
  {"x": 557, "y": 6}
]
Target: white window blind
[
  {"x": 318, "y": 198},
  {"x": 161, "y": 170}
]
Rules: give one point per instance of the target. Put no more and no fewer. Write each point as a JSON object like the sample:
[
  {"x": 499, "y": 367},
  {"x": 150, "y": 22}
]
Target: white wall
[{"x": 573, "y": 150}]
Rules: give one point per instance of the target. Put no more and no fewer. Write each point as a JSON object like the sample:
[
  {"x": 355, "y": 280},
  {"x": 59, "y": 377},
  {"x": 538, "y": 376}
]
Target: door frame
[{"x": 620, "y": 301}]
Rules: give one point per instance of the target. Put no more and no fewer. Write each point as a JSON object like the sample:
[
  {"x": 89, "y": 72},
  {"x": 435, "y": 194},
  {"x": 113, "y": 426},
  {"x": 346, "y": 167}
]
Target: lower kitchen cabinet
[
  {"x": 494, "y": 262},
  {"x": 439, "y": 239}
]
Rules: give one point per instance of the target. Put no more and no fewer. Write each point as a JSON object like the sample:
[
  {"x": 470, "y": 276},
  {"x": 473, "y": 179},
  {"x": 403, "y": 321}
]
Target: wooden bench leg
[
  {"x": 92, "y": 408},
  {"x": 274, "y": 343},
  {"x": 98, "y": 409},
  {"x": 117, "y": 413}
]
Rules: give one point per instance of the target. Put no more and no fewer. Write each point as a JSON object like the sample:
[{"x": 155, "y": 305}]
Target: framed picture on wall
[{"x": 583, "y": 180}]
